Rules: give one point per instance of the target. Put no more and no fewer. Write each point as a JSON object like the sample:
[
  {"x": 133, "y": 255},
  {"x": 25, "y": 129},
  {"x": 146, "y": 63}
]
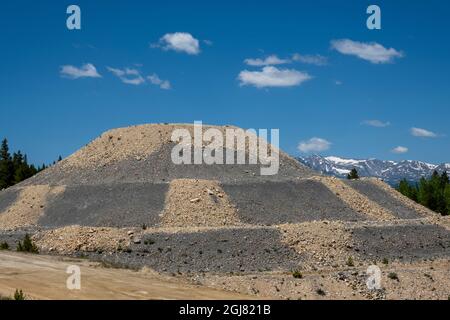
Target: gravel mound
[
  {"x": 143, "y": 154},
  {"x": 383, "y": 198},
  {"x": 113, "y": 205},
  {"x": 272, "y": 203},
  {"x": 198, "y": 203}
]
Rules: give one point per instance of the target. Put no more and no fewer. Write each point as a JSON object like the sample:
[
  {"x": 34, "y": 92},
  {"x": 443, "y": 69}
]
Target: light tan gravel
[
  {"x": 136, "y": 142},
  {"x": 194, "y": 203},
  {"x": 420, "y": 280},
  {"x": 71, "y": 239},
  {"x": 322, "y": 243},
  {"x": 28, "y": 207},
  {"x": 356, "y": 200}
]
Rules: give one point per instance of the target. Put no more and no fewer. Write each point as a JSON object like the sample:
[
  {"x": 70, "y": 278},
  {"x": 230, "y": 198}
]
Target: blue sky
[{"x": 324, "y": 78}]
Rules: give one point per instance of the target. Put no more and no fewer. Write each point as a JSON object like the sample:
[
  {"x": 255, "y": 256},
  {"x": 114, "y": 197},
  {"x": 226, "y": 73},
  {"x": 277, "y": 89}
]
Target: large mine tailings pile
[{"x": 122, "y": 200}]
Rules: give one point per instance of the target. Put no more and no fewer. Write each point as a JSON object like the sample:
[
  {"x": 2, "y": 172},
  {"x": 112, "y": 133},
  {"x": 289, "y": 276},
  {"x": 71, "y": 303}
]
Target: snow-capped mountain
[{"x": 390, "y": 171}]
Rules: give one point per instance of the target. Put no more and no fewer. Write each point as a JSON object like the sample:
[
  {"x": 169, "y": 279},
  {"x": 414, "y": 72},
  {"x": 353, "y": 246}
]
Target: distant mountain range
[{"x": 390, "y": 171}]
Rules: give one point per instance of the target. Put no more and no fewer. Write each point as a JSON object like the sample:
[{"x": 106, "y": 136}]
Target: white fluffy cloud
[
  {"x": 314, "y": 145},
  {"x": 317, "y": 59},
  {"x": 400, "y": 150},
  {"x": 128, "y": 76},
  {"x": 376, "y": 123},
  {"x": 163, "y": 84},
  {"x": 270, "y": 60},
  {"x": 180, "y": 42},
  {"x": 419, "y": 132},
  {"x": 273, "y": 77},
  {"x": 373, "y": 52},
  {"x": 87, "y": 70}
]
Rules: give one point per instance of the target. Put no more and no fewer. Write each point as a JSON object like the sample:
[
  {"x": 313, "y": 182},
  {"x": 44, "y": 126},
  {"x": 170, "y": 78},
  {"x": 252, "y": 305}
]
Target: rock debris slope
[{"x": 120, "y": 199}]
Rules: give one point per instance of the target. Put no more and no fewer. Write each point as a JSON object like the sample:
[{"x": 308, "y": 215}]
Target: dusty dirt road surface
[{"x": 44, "y": 277}]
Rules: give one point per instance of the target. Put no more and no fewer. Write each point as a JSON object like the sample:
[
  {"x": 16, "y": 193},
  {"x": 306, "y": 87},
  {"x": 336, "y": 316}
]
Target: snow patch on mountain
[{"x": 390, "y": 171}]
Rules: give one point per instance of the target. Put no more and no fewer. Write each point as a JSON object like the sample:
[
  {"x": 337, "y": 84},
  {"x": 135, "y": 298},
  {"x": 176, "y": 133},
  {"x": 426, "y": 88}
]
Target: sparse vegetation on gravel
[
  {"x": 4, "y": 246},
  {"x": 27, "y": 245},
  {"x": 19, "y": 295},
  {"x": 393, "y": 276}
]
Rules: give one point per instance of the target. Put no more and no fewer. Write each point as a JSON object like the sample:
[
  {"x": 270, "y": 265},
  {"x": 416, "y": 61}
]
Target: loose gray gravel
[
  {"x": 404, "y": 242},
  {"x": 384, "y": 199},
  {"x": 8, "y": 197},
  {"x": 270, "y": 203},
  {"x": 115, "y": 205},
  {"x": 221, "y": 251},
  {"x": 158, "y": 167}
]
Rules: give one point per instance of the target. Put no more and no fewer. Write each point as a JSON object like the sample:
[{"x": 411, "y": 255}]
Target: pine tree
[
  {"x": 408, "y": 190},
  {"x": 353, "y": 174},
  {"x": 447, "y": 198},
  {"x": 6, "y": 166}
]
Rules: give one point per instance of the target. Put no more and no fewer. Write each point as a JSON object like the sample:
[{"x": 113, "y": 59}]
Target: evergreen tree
[
  {"x": 433, "y": 193},
  {"x": 353, "y": 174},
  {"x": 6, "y": 166},
  {"x": 407, "y": 189},
  {"x": 447, "y": 199}
]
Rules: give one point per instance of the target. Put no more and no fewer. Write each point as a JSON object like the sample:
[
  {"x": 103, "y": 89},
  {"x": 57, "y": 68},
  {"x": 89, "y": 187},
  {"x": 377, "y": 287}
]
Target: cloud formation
[
  {"x": 128, "y": 76},
  {"x": 317, "y": 59},
  {"x": 179, "y": 42},
  {"x": 419, "y": 132},
  {"x": 373, "y": 52},
  {"x": 268, "y": 61},
  {"x": 273, "y": 77},
  {"x": 87, "y": 70},
  {"x": 163, "y": 84},
  {"x": 314, "y": 145},
  {"x": 400, "y": 150},
  {"x": 376, "y": 123}
]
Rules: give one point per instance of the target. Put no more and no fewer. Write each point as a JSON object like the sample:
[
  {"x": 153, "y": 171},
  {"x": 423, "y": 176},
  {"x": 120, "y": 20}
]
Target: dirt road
[{"x": 44, "y": 277}]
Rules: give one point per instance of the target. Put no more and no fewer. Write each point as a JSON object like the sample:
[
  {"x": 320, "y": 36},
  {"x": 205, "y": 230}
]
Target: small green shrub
[
  {"x": 320, "y": 292},
  {"x": 350, "y": 262},
  {"x": 297, "y": 274},
  {"x": 393, "y": 276},
  {"x": 4, "y": 246},
  {"x": 18, "y": 295},
  {"x": 385, "y": 261},
  {"x": 27, "y": 245},
  {"x": 149, "y": 242}
]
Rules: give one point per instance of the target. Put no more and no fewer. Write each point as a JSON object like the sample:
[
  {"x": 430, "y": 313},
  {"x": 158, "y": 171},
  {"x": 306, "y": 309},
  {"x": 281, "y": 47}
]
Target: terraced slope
[{"x": 121, "y": 200}]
